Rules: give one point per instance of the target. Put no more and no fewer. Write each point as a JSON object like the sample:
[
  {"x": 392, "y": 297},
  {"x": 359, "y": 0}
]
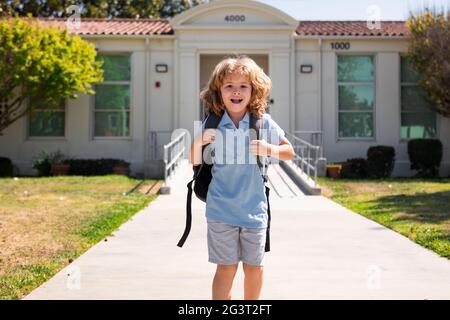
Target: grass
[
  {"x": 45, "y": 223},
  {"x": 417, "y": 208}
]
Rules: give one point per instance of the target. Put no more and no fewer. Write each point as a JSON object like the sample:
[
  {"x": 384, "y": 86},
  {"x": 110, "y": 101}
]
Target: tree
[
  {"x": 100, "y": 8},
  {"x": 429, "y": 54},
  {"x": 41, "y": 64}
]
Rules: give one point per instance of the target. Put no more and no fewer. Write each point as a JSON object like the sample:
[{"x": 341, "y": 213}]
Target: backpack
[{"x": 202, "y": 176}]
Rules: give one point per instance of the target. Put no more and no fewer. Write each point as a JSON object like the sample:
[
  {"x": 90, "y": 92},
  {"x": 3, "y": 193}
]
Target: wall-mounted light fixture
[
  {"x": 161, "y": 67},
  {"x": 306, "y": 68}
]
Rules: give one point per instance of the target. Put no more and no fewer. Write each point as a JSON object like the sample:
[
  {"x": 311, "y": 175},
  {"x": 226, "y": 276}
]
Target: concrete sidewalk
[{"x": 320, "y": 250}]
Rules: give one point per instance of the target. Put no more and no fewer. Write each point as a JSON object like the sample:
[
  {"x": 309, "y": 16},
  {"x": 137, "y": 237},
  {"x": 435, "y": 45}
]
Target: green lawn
[
  {"x": 45, "y": 223},
  {"x": 417, "y": 208}
]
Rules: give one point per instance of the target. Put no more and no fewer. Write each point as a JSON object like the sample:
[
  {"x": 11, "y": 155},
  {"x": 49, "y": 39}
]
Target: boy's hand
[
  {"x": 261, "y": 148},
  {"x": 208, "y": 136}
]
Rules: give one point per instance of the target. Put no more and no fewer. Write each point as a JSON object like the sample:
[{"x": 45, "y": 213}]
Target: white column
[
  {"x": 187, "y": 89},
  {"x": 279, "y": 66}
]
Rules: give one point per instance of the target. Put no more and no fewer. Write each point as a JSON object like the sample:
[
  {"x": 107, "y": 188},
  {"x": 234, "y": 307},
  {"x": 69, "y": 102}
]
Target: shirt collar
[{"x": 227, "y": 120}]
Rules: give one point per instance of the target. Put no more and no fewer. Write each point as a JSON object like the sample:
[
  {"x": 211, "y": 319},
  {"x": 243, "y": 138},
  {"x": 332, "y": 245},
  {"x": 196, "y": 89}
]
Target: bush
[
  {"x": 6, "y": 167},
  {"x": 44, "y": 161},
  {"x": 357, "y": 169},
  {"x": 43, "y": 164},
  {"x": 425, "y": 156},
  {"x": 80, "y": 167},
  {"x": 93, "y": 167},
  {"x": 380, "y": 161},
  {"x": 121, "y": 163}
]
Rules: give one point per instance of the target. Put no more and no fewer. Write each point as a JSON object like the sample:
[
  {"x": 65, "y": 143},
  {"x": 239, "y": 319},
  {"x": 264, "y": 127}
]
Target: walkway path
[{"x": 320, "y": 250}]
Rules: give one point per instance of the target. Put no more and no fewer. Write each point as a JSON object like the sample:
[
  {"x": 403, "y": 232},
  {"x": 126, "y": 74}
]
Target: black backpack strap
[
  {"x": 257, "y": 124},
  {"x": 187, "y": 227},
  {"x": 267, "y": 248},
  {"x": 212, "y": 121}
]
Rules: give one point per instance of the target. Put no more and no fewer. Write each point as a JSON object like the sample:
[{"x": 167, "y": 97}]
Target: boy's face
[{"x": 236, "y": 92}]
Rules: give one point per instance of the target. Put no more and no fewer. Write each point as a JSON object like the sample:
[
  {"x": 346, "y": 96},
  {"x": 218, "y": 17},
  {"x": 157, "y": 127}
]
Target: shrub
[
  {"x": 6, "y": 167},
  {"x": 43, "y": 164},
  {"x": 121, "y": 163},
  {"x": 425, "y": 155},
  {"x": 380, "y": 161},
  {"x": 357, "y": 169},
  {"x": 93, "y": 167}
]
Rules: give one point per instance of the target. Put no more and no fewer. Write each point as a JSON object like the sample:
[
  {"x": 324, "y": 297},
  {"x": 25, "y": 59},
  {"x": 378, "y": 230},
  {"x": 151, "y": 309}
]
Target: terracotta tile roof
[
  {"x": 90, "y": 26},
  {"x": 351, "y": 28}
]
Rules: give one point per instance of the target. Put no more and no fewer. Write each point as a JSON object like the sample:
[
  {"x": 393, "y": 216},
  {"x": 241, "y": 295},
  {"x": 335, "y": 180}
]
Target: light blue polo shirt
[{"x": 236, "y": 194}]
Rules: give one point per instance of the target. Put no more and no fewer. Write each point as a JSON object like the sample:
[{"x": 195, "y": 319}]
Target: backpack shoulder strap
[
  {"x": 212, "y": 121},
  {"x": 257, "y": 125}
]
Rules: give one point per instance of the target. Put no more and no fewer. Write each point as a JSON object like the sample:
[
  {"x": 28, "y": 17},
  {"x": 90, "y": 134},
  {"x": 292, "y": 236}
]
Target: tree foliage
[
  {"x": 99, "y": 8},
  {"x": 429, "y": 53},
  {"x": 41, "y": 64}
]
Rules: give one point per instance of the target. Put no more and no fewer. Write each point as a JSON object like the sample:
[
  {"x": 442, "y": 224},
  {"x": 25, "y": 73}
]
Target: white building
[{"x": 346, "y": 79}]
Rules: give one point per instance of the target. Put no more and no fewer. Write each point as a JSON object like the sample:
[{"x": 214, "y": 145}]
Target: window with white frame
[
  {"x": 418, "y": 120},
  {"x": 356, "y": 96},
  {"x": 47, "y": 120},
  {"x": 112, "y": 98}
]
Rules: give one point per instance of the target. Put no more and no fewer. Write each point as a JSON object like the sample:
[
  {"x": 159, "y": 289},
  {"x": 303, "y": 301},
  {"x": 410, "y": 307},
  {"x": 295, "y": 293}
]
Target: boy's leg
[
  {"x": 223, "y": 281},
  {"x": 253, "y": 281},
  {"x": 253, "y": 241},
  {"x": 223, "y": 250}
]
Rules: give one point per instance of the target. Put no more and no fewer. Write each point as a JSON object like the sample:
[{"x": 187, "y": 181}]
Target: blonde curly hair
[{"x": 243, "y": 65}]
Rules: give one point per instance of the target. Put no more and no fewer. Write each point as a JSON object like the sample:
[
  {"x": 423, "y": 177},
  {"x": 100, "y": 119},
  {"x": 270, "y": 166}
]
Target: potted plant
[
  {"x": 58, "y": 167},
  {"x": 43, "y": 164},
  {"x": 334, "y": 171},
  {"x": 121, "y": 167}
]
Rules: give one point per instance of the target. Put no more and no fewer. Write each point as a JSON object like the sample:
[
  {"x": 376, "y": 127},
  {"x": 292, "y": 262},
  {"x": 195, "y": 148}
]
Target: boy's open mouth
[{"x": 236, "y": 100}]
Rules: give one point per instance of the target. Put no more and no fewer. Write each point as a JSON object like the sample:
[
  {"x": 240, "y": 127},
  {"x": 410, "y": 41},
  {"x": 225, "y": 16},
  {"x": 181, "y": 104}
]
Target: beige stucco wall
[{"x": 387, "y": 100}]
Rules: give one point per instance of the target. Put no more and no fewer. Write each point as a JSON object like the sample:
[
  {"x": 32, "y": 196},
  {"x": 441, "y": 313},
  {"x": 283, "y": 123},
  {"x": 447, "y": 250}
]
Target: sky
[{"x": 353, "y": 9}]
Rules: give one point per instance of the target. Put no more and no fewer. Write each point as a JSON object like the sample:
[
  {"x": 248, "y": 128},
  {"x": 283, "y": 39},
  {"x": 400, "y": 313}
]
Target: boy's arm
[
  {"x": 284, "y": 151},
  {"x": 205, "y": 137},
  {"x": 196, "y": 150}
]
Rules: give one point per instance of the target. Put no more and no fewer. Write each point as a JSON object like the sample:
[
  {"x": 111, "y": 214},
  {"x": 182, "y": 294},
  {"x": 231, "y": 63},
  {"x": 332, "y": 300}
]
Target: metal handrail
[
  {"x": 308, "y": 163},
  {"x": 174, "y": 152},
  {"x": 315, "y": 138},
  {"x": 153, "y": 146}
]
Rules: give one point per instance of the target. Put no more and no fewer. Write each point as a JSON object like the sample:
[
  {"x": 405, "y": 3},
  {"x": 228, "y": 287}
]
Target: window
[
  {"x": 356, "y": 94},
  {"x": 112, "y": 98},
  {"x": 46, "y": 120},
  {"x": 418, "y": 120}
]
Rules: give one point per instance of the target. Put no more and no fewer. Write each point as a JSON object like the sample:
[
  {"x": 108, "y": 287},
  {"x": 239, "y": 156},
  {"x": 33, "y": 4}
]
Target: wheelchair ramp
[{"x": 281, "y": 184}]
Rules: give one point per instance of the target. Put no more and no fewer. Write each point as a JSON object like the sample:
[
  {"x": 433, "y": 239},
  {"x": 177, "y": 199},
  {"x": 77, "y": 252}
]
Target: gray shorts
[{"x": 229, "y": 244}]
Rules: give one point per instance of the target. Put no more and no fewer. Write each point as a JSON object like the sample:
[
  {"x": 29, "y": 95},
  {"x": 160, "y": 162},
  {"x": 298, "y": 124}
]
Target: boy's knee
[
  {"x": 227, "y": 270},
  {"x": 248, "y": 268}
]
